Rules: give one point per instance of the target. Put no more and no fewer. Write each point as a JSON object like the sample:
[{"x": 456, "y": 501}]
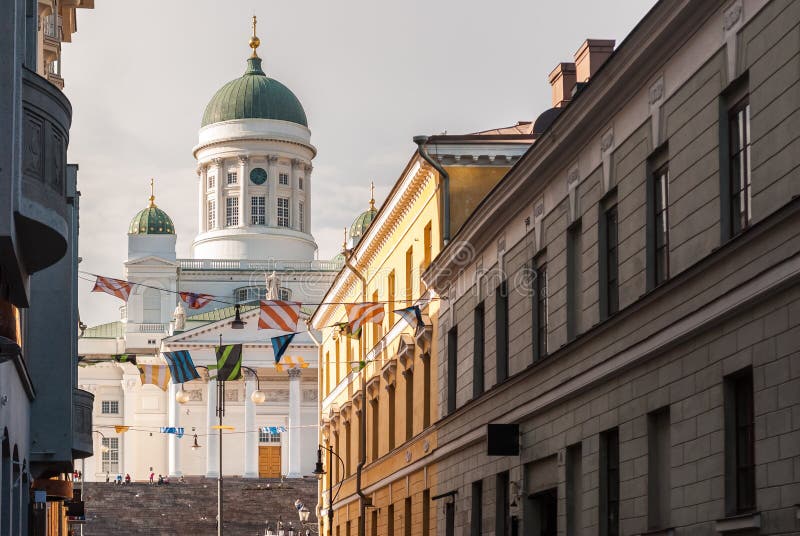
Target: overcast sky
[{"x": 369, "y": 74}]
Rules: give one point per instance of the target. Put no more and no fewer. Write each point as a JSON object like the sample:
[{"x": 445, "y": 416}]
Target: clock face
[{"x": 258, "y": 176}]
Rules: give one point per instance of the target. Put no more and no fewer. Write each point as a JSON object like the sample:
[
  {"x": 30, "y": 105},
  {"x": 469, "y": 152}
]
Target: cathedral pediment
[{"x": 151, "y": 261}]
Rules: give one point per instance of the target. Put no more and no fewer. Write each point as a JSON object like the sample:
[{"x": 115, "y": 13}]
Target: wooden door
[{"x": 269, "y": 461}]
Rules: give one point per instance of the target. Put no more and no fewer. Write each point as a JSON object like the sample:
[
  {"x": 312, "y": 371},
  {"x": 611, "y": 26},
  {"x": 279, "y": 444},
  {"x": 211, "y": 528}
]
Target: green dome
[
  {"x": 254, "y": 96},
  {"x": 151, "y": 220},
  {"x": 361, "y": 224}
]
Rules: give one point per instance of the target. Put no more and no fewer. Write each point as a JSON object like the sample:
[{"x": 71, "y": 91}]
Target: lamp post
[
  {"x": 304, "y": 512},
  {"x": 319, "y": 471}
]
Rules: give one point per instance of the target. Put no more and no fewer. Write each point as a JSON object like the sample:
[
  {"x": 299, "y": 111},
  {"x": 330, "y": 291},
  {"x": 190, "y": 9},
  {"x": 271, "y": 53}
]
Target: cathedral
[{"x": 254, "y": 180}]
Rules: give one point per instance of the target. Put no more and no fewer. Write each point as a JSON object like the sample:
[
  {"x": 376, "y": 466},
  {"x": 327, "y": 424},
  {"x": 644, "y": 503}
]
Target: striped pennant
[
  {"x": 344, "y": 329},
  {"x": 157, "y": 375},
  {"x": 359, "y": 314},
  {"x": 196, "y": 301},
  {"x": 178, "y": 431},
  {"x": 229, "y": 362},
  {"x": 280, "y": 344},
  {"x": 277, "y": 314},
  {"x": 181, "y": 366},
  {"x": 412, "y": 315},
  {"x": 116, "y": 287}
]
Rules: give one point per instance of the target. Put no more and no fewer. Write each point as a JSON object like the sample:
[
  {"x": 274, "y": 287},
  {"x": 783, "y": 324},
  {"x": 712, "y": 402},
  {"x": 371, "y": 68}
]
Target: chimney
[
  {"x": 590, "y": 56},
  {"x": 562, "y": 80}
]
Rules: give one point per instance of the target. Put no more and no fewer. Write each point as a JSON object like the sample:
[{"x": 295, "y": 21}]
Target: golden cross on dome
[
  {"x": 372, "y": 195},
  {"x": 344, "y": 244},
  {"x": 152, "y": 194},
  {"x": 254, "y": 41}
]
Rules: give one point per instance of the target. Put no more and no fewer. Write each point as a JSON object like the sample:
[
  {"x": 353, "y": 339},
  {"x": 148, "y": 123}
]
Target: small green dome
[
  {"x": 151, "y": 220},
  {"x": 254, "y": 96},
  {"x": 339, "y": 257},
  {"x": 362, "y": 223}
]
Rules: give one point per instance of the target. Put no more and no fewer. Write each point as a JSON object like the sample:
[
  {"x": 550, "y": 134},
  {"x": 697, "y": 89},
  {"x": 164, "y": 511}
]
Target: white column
[
  {"x": 201, "y": 197},
  {"x": 251, "y": 435},
  {"x": 294, "y": 423},
  {"x": 127, "y": 456},
  {"x": 294, "y": 202},
  {"x": 218, "y": 182},
  {"x": 307, "y": 195},
  {"x": 272, "y": 189},
  {"x": 212, "y": 437},
  {"x": 173, "y": 461},
  {"x": 244, "y": 205}
]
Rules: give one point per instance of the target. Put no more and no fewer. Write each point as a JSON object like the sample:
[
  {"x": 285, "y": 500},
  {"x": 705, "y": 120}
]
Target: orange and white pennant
[
  {"x": 277, "y": 314},
  {"x": 359, "y": 314},
  {"x": 116, "y": 287}
]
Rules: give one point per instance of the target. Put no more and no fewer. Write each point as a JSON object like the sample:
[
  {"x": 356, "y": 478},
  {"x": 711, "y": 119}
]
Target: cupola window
[
  {"x": 283, "y": 178},
  {"x": 300, "y": 183},
  {"x": 283, "y": 212},
  {"x": 258, "y": 211},
  {"x": 232, "y": 177},
  {"x": 231, "y": 211},
  {"x": 212, "y": 181}
]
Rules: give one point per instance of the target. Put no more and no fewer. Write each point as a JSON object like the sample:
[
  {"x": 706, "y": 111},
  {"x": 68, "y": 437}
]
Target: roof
[
  {"x": 111, "y": 330},
  {"x": 361, "y": 224},
  {"x": 522, "y": 127},
  {"x": 151, "y": 220},
  {"x": 254, "y": 96}
]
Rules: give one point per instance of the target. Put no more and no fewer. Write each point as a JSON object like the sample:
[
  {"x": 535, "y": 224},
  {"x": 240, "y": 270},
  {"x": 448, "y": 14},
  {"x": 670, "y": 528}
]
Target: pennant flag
[
  {"x": 277, "y": 314},
  {"x": 121, "y": 429},
  {"x": 196, "y": 301},
  {"x": 178, "y": 431},
  {"x": 181, "y": 366},
  {"x": 229, "y": 362},
  {"x": 124, "y": 358},
  {"x": 357, "y": 366},
  {"x": 302, "y": 363},
  {"x": 157, "y": 375},
  {"x": 274, "y": 430},
  {"x": 344, "y": 329},
  {"x": 359, "y": 314},
  {"x": 412, "y": 315},
  {"x": 116, "y": 287},
  {"x": 280, "y": 344}
]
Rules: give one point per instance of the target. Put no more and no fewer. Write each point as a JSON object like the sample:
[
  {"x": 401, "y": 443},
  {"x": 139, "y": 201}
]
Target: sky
[{"x": 369, "y": 74}]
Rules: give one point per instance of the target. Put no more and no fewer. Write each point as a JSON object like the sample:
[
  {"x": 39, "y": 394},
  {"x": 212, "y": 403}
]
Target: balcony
[
  {"x": 82, "y": 404},
  {"x": 267, "y": 265}
]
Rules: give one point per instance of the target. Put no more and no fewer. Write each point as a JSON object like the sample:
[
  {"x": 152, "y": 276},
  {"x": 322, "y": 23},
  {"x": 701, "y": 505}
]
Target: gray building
[
  {"x": 627, "y": 297},
  {"x": 45, "y": 421}
]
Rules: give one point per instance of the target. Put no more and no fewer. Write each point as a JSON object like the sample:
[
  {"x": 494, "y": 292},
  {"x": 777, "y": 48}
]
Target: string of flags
[
  {"x": 178, "y": 431},
  {"x": 274, "y": 430}
]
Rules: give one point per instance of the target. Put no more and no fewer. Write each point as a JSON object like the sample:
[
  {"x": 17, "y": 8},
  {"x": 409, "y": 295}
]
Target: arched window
[{"x": 151, "y": 299}]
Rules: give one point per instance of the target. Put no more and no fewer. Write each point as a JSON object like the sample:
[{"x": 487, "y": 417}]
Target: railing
[
  {"x": 148, "y": 328},
  {"x": 51, "y": 26},
  {"x": 82, "y": 404},
  {"x": 264, "y": 265}
]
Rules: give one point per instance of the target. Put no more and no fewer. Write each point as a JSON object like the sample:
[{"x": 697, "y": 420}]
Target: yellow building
[{"x": 388, "y": 374}]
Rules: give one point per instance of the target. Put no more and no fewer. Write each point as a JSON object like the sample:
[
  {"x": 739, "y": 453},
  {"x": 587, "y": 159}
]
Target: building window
[
  {"x": 391, "y": 284},
  {"x": 502, "y": 512},
  {"x": 212, "y": 181},
  {"x": 740, "y": 469},
  {"x": 408, "y": 375},
  {"x": 410, "y": 276},
  {"x": 539, "y": 311},
  {"x": 232, "y": 177},
  {"x": 110, "y": 407},
  {"x": 300, "y": 183},
  {"x": 110, "y": 457},
  {"x": 407, "y": 516},
  {"x": 390, "y": 519},
  {"x": 501, "y": 331},
  {"x": 573, "y": 279},
  {"x": 544, "y": 506},
  {"x": 739, "y": 150},
  {"x": 658, "y": 221},
  {"x": 449, "y": 519},
  {"x": 374, "y": 522},
  {"x": 476, "y": 512},
  {"x": 373, "y": 407},
  {"x": 479, "y": 349},
  {"x": 258, "y": 210},
  {"x": 265, "y": 436},
  {"x": 231, "y": 211},
  {"x": 452, "y": 372},
  {"x": 390, "y": 389},
  {"x": 427, "y": 244},
  {"x": 426, "y": 512},
  {"x": 609, "y": 483},
  {"x": 574, "y": 489},
  {"x": 283, "y": 212},
  {"x": 658, "y": 469},
  {"x": 348, "y": 440},
  {"x": 212, "y": 214},
  {"x": 426, "y": 391},
  {"x": 609, "y": 262},
  {"x": 283, "y": 178},
  {"x": 301, "y": 217}
]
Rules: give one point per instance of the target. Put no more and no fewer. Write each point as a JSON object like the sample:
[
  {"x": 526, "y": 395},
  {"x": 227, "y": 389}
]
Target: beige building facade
[{"x": 631, "y": 299}]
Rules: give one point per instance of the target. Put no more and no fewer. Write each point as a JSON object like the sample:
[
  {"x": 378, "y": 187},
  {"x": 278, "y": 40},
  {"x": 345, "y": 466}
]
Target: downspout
[
  {"x": 421, "y": 141},
  {"x": 362, "y": 421}
]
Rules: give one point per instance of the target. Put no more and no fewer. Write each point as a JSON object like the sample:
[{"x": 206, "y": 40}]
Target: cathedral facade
[{"x": 253, "y": 241}]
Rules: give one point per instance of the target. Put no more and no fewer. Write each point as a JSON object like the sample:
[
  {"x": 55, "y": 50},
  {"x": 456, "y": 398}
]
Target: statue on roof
[
  {"x": 273, "y": 286},
  {"x": 179, "y": 316}
]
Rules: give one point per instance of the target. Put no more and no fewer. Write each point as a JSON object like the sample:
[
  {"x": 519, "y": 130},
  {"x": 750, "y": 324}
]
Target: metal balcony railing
[{"x": 149, "y": 328}]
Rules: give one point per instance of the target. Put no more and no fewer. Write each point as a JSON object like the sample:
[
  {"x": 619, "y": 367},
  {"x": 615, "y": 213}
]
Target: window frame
[
  {"x": 657, "y": 271},
  {"x": 539, "y": 308},
  {"x": 283, "y": 179},
  {"x": 452, "y": 369},
  {"x": 737, "y": 402},
  {"x": 111, "y": 405},
  {"x": 232, "y": 178},
  {"x": 740, "y": 220},
  {"x": 232, "y": 211},
  {"x": 258, "y": 210},
  {"x": 609, "y": 483},
  {"x": 283, "y": 213},
  {"x": 478, "y": 349},
  {"x": 502, "y": 325},
  {"x": 211, "y": 213},
  {"x": 608, "y": 242}
]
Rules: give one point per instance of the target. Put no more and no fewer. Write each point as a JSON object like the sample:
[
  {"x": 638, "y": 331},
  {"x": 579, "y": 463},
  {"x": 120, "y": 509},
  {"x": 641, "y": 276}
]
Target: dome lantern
[{"x": 151, "y": 220}]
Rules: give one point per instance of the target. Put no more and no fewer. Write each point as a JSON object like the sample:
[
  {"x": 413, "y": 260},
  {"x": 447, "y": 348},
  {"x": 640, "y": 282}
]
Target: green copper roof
[
  {"x": 151, "y": 220},
  {"x": 254, "y": 96},
  {"x": 361, "y": 223},
  {"x": 112, "y": 330}
]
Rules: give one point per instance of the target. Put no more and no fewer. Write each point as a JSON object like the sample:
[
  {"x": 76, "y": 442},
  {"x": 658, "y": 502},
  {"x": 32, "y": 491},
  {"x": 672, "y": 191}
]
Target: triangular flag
[
  {"x": 116, "y": 287},
  {"x": 181, "y": 366},
  {"x": 280, "y": 344},
  {"x": 360, "y": 313},
  {"x": 412, "y": 315},
  {"x": 357, "y": 366},
  {"x": 344, "y": 329},
  {"x": 196, "y": 301},
  {"x": 229, "y": 362},
  {"x": 278, "y": 314},
  {"x": 157, "y": 375}
]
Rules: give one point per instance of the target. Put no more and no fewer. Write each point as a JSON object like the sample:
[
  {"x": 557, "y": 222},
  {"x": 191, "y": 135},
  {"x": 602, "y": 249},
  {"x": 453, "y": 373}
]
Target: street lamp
[
  {"x": 237, "y": 322},
  {"x": 196, "y": 445},
  {"x": 319, "y": 471},
  {"x": 258, "y": 396}
]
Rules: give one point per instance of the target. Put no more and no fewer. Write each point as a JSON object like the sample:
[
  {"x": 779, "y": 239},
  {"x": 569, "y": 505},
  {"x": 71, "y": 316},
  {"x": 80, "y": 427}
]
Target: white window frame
[
  {"x": 300, "y": 182},
  {"x": 283, "y": 179},
  {"x": 212, "y": 181},
  {"x": 258, "y": 210},
  {"x": 283, "y": 212},
  {"x": 268, "y": 438},
  {"x": 109, "y": 407},
  {"x": 110, "y": 458},
  {"x": 231, "y": 211},
  {"x": 233, "y": 177},
  {"x": 212, "y": 213},
  {"x": 301, "y": 213}
]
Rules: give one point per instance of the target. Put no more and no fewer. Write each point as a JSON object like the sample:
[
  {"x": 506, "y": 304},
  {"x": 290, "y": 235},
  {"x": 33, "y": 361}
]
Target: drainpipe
[
  {"x": 421, "y": 141},
  {"x": 362, "y": 421}
]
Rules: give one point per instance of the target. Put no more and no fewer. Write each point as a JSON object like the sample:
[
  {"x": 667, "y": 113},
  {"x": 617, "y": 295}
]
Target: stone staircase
[{"x": 190, "y": 509}]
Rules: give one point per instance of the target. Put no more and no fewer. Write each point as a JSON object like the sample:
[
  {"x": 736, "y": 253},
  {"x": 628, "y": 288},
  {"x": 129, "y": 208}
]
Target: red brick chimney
[
  {"x": 562, "y": 80},
  {"x": 590, "y": 56}
]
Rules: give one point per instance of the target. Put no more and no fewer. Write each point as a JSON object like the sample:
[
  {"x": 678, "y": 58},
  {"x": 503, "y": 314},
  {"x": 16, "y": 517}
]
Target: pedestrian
[
  {"x": 108, "y": 478},
  {"x": 127, "y": 478},
  {"x": 160, "y": 480},
  {"x": 119, "y": 479},
  {"x": 152, "y": 476}
]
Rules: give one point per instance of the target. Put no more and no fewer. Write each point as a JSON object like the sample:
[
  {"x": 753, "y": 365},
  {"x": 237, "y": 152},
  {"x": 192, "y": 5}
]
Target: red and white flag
[
  {"x": 196, "y": 301},
  {"x": 278, "y": 314},
  {"x": 359, "y": 314},
  {"x": 116, "y": 287}
]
